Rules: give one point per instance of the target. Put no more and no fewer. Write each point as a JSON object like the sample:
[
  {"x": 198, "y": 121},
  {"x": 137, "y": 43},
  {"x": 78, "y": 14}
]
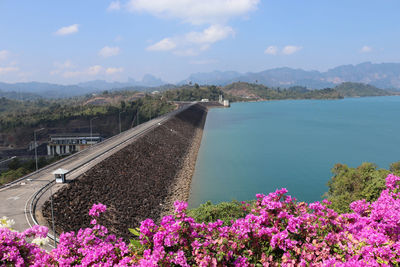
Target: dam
[
  {"x": 137, "y": 182},
  {"x": 137, "y": 174}
]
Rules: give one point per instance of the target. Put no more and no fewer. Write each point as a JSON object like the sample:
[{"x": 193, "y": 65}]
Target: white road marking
[{"x": 14, "y": 197}]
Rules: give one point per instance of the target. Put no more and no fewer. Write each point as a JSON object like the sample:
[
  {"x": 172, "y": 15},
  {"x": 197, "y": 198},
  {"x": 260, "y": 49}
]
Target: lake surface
[{"x": 258, "y": 147}]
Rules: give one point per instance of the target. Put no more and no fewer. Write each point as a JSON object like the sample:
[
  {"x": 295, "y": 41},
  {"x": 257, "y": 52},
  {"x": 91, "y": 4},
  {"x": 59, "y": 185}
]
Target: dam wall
[{"x": 140, "y": 181}]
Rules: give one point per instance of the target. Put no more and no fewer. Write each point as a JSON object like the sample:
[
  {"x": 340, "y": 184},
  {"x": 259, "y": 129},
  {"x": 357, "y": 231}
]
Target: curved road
[{"x": 15, "y": 197}]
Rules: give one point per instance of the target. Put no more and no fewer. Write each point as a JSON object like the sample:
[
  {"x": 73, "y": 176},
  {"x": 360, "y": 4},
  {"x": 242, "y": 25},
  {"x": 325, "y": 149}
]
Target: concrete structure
[
  {"x": 226, "y": 103},
  {"x": 64, "y": 144},
  {"x": 60, "y": 175}
]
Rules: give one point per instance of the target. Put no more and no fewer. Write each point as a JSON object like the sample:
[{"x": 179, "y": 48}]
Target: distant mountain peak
[
  {"x": 381, "y": 75},
  {"x": 151, "y": 80}
]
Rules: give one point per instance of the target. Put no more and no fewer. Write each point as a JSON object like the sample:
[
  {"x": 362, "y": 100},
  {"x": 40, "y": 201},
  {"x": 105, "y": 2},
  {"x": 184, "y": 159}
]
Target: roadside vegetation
[
  {"x": 19, "y": 119},
  {"x": 17, "y": 168},
  {"x": 46, "y": 113}
]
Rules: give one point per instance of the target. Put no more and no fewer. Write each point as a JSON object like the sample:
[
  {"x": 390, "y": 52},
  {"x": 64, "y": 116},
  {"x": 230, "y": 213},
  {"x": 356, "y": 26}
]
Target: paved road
[{"x": 14, "y": 199}]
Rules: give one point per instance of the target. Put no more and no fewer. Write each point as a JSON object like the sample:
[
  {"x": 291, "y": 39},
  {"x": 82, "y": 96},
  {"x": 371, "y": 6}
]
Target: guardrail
[{"x": 33, "y": 206}]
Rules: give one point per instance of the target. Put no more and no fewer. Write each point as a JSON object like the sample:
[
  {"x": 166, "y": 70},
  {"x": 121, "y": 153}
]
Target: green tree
[
  {"x": 123, "y": 105},
  {"x": 350, "y": 184},
  {"x": 395, "y": 167},
  {"x": 14, "y": 164}
]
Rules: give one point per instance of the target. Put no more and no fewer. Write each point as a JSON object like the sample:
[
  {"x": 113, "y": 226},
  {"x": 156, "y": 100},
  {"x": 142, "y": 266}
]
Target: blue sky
[{"x": 73, "y": 41}]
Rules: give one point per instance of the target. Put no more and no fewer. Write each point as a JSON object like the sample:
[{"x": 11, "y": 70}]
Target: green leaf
[
  {"x": 135, "y": 243},
  {"x": 135, "y": 232}
]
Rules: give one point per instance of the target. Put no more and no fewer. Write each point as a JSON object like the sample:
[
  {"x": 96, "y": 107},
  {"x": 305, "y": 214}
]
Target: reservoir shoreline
[{"x": 180, "y": 188}]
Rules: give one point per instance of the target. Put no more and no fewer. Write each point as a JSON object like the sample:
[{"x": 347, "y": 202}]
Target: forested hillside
[
  {"x": 196, "y": 93},
  {"x": 261, "y": 92},
  {"x": 359, "y": 89},
  {"x": 18, "y": 119}
]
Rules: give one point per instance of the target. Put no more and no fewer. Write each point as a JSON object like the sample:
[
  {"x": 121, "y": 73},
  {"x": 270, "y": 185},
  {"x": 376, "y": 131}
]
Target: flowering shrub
[{"x": 278, "y": 231}]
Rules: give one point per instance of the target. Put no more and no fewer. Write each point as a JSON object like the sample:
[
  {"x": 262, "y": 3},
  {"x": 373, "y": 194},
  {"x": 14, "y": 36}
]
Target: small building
[
  {"x": 64, "y": 144},
  {"x": 226, "y": 103},
  {"x": 32, "y": 145},
  {"x": 60, "y": 175},
  {"x": 204, "y": 100}
]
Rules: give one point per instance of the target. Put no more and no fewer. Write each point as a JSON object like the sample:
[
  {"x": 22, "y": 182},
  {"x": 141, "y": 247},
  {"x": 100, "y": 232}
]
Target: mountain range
[
  {"x": 383, "y": 75},
  {"x": 34, "y": 90}
]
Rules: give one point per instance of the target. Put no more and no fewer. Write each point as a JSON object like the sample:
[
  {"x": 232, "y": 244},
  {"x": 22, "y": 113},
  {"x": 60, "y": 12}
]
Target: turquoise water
[{"x": 258, "y": 147}]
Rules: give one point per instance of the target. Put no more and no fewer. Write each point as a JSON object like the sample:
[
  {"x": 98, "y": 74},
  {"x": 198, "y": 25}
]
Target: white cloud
[
  {"x": 195, "y": 11},
  {"x": 212, "y": 34},
  {"x": 109, "y": 51},
  {"x": 163, "y": 45},
  {"x": 61, "y": 66},
  {"x": 68, "y": 30},
  {"x": 291, "y": 49},
  {"x": 188, "y": 52},
  {"x": 4, "y": 54},
  {"x": 70, "y": 74},
  {"x": 55, "y": 72},
  {"x": 193, "y": 43},
  {"x": 271, "y": 50},
  {"x": 215, "y": 13},
  {"x": 64, "y": 65},
  {"x": 114, "y": 5},
  {"x": 114, "y": 70},
  {"x": 94, "y": 70},
  {"x": 91, "y": 71},
  {"x": 366, "y": 49},
  {"x": 4, "y": 70}
]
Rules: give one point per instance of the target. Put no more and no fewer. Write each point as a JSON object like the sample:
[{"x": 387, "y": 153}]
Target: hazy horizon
[{"x": 128, "y": 79}]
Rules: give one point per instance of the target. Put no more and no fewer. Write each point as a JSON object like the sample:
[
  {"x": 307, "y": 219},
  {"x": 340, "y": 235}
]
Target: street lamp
[
  {"x": 119, "y": 119},
  {"x": 91, "y": 138},
  {"x": 34, "y": 137}
]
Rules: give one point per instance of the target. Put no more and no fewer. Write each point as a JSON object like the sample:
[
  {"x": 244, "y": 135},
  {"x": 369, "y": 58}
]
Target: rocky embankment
[{"x": 138, "y": 182}]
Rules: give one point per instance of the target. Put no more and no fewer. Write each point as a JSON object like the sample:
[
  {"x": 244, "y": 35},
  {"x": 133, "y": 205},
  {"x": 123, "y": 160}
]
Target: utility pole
[
  {"x": 119, "y": 119},
  {"x": 91, "y": 137},
  {"x": 35, "y": 145}
]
